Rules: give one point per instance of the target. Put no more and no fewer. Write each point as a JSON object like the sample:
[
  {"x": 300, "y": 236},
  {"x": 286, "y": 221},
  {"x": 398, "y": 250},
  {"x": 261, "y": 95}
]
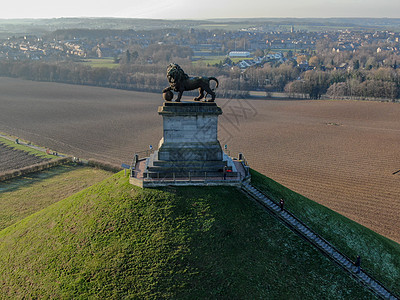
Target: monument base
[
  {"x": 156, "y": 168},
  {"x": 240, "y": 173},
  {"x": 189, "y": 150}
]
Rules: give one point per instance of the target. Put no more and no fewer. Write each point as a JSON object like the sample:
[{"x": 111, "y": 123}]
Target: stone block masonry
[
  {"x": 189, "y": 153},
  {"x": 189, "y": 146}
]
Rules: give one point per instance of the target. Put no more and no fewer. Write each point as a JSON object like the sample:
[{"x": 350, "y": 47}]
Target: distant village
[
  {"x": 252, "y": 44},
  {"x": 359, "y": 64}
]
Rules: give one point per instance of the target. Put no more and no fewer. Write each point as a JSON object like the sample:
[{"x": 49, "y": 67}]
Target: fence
[
  {"x": 228, "y": 174},
  {"x": 192, "y": 177}
]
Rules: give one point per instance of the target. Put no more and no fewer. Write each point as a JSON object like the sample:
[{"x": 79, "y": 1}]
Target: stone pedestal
[{"x": 190, "y": 145}]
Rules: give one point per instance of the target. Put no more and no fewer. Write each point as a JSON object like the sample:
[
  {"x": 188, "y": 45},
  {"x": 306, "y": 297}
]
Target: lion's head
[{"x": 175, "y": 74}]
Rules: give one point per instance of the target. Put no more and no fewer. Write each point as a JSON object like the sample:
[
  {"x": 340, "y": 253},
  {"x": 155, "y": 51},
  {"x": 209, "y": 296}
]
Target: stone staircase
[{"x": 319, "y": 242}]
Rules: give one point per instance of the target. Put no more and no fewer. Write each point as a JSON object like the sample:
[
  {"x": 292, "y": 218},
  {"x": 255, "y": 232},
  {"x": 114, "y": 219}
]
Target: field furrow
[{"x": 11, "y": 159}]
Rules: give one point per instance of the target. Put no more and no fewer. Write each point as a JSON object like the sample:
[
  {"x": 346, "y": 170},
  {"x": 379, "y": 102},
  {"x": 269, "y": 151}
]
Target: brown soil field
[
  {"x": 15, "y": 159},
  {"x": 341, "y": 154}
]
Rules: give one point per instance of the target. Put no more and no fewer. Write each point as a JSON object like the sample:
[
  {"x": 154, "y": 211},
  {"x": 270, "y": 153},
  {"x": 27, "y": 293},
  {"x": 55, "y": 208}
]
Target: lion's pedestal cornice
[{"x": 189, "y": 108}]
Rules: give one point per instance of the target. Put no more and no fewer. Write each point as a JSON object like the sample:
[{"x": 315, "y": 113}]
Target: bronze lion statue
[{"x": 179, "y": 82}]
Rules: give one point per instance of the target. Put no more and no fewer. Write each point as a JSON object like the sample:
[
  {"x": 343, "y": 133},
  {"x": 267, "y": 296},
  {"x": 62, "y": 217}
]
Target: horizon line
[{"x": 191, "y": 19}]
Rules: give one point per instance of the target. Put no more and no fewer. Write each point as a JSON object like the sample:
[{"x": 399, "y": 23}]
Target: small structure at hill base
[{"x": 189, "y": 152}]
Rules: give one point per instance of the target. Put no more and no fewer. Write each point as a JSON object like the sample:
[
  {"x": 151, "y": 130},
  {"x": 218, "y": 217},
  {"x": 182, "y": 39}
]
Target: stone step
[
  {"x": 188, "y": 168},
  {"x": 381, "y": 289},
  {"x": 185, "y": 163},
  {"x": 171, "y": 175}
]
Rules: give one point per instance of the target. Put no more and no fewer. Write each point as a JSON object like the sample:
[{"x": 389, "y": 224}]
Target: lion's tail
[{"x": 215, "y": 79}]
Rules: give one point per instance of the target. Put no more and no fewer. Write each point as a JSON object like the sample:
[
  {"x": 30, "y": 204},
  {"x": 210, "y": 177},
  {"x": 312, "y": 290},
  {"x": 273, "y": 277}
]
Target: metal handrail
[
  {"x": 146, "y": 152},
  {"x": 160, "y": 176},
  {"x": 190, "y": 177}
]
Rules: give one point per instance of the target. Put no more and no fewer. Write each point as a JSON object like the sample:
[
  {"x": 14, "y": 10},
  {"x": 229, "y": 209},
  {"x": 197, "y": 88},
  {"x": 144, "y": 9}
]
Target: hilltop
[{"x": 117, "y": 241}]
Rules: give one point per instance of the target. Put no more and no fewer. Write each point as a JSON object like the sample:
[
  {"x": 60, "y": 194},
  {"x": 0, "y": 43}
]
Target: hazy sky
[{"x": 190, "y": 9}]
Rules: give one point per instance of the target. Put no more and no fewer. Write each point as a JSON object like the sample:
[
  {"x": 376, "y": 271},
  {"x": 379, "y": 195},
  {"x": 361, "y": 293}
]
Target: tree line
[
  {"x": 366, "y": 74},
  {"x": 378, "y": 83},
  {"x": 147, "y": 78}
]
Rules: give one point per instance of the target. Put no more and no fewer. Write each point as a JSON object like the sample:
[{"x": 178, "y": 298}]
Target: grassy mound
[{"x": 114, "y": 240}]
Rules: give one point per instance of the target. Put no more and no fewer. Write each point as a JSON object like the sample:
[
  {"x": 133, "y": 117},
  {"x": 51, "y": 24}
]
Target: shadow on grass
[
  {"x": 29, "y": 179},
  {"x": 230, "y": 243}
]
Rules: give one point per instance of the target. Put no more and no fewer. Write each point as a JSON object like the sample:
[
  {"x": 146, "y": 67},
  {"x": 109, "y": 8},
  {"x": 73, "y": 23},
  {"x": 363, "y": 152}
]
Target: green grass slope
[
  {"x": 23, "y": 196},
  {"x": 380, "y": 255},
  {"x": 116, "y": 241}
]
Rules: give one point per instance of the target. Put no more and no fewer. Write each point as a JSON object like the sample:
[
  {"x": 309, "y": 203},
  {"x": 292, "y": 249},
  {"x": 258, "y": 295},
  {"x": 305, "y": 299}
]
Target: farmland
[
  {"x": 15, "y": 159},
  {"x": 101, "y": 63},
  {"x": 341, "y": 154}
]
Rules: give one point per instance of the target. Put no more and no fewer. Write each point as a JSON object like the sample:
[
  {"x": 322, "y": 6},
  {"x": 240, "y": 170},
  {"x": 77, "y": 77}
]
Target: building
[{"x": 239, "y": 54}]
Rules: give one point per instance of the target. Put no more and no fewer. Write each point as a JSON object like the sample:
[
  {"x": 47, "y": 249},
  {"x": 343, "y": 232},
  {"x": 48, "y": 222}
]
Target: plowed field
[
  {"x": 341, "y": 154},
  {"x": 11, "y": 159}
]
